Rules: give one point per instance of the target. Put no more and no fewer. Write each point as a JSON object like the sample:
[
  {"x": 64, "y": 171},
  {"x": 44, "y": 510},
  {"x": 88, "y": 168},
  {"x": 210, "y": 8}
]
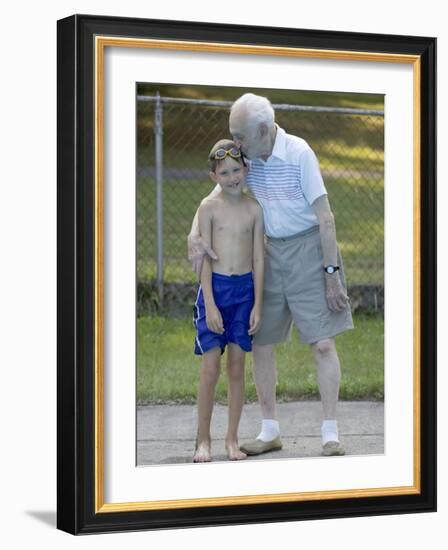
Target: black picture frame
[{"x": 77, "y": 473}]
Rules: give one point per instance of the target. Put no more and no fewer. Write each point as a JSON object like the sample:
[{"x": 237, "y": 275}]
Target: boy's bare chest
[{"x": 233, "y": 224}]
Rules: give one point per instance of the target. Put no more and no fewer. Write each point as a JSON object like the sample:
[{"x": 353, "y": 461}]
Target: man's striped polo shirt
[{"x": 286, "y": 185}]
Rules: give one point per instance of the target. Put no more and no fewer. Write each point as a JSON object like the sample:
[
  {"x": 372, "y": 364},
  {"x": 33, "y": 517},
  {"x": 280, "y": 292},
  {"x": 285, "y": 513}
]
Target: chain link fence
[{"x": 174, "y": 137}]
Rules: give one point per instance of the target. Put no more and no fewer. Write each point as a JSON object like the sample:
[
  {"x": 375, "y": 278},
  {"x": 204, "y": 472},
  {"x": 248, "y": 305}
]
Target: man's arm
[
  {"x": 197, "y": 249},
  {"x": 258, "y": 269},
  {"x": 212, "y": 315},
  {"x": 336, "y": 294}
]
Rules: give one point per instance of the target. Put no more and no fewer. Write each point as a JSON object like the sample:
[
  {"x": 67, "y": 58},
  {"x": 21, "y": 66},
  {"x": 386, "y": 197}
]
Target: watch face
[{"x": 330, "y": 269}]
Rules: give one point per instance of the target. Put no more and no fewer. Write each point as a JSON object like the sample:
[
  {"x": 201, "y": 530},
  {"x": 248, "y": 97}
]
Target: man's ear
[{"x": 263, "y": 129}]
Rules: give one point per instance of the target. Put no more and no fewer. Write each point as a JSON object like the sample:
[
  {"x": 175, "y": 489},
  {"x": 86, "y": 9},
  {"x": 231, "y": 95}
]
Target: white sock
[
  {"x": 329, "y": 431},
  {"x": 270, "y": 429}
]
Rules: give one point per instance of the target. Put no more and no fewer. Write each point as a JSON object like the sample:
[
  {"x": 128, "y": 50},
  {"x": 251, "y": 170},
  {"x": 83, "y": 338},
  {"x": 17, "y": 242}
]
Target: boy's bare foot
[
  {"x": 202, "y": 452},
  {"x": 233, "y": 451}
]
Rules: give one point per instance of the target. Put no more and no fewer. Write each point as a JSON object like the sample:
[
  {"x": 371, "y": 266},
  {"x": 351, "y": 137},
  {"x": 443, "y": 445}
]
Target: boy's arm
[
  {"x": 258, "y": 269},
  {"x": 196, "y": 246},
  {"x": 204, "y": 214},
  {"x": 195, "y": 225},
  {"x": 258, "y": 254},
  {"x": 212, "y": 315}
]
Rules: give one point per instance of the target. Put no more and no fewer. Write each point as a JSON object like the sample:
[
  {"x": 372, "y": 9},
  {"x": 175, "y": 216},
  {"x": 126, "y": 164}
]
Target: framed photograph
[
  {"x": 176, "y": 127},
  {"x": 143, "y": 107}
]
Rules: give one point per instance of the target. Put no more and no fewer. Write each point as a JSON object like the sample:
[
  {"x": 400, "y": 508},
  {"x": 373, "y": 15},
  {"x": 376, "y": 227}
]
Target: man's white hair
[{"x": 256, "y": 109}]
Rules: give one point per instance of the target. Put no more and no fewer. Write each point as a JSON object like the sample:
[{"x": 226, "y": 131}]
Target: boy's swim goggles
[{"x": 221, "y": 154}]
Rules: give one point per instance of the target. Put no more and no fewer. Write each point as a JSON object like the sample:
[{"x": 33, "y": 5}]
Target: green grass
[
  {"x": 167, "y": 369},
  {"x": 298, "y": 97}
]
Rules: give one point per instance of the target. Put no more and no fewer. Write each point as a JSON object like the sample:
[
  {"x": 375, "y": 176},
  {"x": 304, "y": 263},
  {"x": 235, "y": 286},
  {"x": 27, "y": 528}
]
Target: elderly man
[{"x": 304, "y": 280}]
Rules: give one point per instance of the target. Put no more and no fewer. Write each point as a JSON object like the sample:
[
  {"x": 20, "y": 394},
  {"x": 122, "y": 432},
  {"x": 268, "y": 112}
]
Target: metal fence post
[{"x": 158, "y": 131}]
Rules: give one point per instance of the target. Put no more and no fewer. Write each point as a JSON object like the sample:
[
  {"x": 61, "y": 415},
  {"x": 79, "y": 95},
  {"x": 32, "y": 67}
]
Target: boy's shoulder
[
  {"x": 207, "y": 205},
  {"x": 253, "y": 204}
]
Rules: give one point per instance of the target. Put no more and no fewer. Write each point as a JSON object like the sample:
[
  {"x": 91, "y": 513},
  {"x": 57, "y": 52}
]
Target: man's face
[{"x": 245, "y": 135}]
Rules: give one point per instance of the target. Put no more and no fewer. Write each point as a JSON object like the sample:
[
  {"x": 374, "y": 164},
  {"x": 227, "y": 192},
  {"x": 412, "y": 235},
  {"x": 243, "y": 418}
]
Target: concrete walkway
[{"x": 166, "y": 433}]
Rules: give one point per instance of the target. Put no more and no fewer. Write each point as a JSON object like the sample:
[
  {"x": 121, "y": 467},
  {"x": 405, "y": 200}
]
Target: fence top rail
[{"x": 277, "y": 106}]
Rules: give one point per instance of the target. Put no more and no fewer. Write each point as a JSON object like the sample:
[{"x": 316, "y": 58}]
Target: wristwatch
[{"x": 331, "y": 269}]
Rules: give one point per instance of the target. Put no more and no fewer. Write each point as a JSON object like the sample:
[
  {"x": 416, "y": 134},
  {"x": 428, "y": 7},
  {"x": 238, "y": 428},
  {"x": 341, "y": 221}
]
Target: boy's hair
[{"x": 225, "y": 144}]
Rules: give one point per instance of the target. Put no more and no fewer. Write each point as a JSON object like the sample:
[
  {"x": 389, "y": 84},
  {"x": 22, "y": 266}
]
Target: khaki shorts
[{"x": 294, "y": 290}]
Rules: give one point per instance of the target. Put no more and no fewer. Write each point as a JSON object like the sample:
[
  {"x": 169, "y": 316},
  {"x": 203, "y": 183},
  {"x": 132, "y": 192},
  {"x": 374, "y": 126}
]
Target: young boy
[{"x": 229, "y": 302}]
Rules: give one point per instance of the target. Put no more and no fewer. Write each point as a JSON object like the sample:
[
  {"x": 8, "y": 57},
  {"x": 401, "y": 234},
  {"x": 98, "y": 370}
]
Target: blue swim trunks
[{"x": 234, "y": 297}]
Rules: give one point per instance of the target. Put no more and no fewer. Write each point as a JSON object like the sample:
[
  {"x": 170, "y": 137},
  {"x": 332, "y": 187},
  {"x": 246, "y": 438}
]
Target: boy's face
[{"x": 230, "y": 174}]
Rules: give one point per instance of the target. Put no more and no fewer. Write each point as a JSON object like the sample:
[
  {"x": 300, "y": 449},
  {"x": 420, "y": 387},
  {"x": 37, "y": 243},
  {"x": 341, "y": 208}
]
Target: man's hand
[
  {"x": 255, "y": 320},
  {"x": 213, "y": 319},
  {"x": 337, "y": 298},
  {"x": 197, "y": 250}
]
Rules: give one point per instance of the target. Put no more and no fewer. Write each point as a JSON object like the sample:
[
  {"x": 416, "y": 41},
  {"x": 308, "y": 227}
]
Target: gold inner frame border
[{"x": 101, "y": 42}]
